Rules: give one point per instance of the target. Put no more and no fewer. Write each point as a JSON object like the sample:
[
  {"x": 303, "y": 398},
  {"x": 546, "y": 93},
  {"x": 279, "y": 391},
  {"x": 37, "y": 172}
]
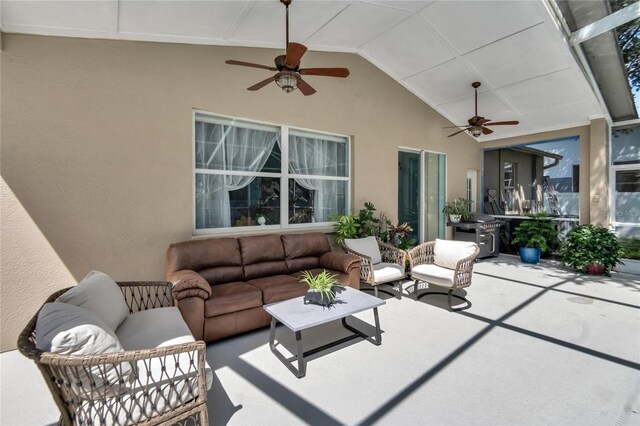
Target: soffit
[{"x": 435, "y": 49}]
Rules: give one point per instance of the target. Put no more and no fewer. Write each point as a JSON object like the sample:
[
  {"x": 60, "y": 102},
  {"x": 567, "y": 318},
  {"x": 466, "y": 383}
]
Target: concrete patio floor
[{"x": 540, "y": 345}]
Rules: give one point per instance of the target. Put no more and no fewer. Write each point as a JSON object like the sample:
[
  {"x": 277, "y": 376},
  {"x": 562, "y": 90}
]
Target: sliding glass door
[{"x": 421, "y": 192}]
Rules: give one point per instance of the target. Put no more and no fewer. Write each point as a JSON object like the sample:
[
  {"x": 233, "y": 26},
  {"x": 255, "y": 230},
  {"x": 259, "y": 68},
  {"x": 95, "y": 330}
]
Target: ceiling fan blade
[
  {"x": 249, "y": 64},
  {"x": 305, "y": 88},
  {"x": 455, "y": 127},
  {"x": 486, "y": 131},
  {"x": 260, "y": 85},
  {"x": 327, "y": 72},
  {"x": 503, "y": 123},
  {"x": 482, "y": 121},
  {"x": 460, "y": 131},
  {"x": 294, "y": 54}
]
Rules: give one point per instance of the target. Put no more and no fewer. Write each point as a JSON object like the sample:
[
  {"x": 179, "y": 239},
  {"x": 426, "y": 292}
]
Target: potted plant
[
  {"x": 323, "y": 288},
  {"x": 591, "y": 249},
  {"x": 535, "y": 236},
  {"x": 457, "y": 209}
]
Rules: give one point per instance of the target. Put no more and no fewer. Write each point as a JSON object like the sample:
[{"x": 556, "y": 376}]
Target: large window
[
  {"x": 253, "y": 174},
  {"x": 625, "y": 170}
]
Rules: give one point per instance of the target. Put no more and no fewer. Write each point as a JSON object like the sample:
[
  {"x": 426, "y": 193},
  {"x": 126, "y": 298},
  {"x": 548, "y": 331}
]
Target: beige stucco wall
[
  {"x": 96, "y": 148},
  {"x": 599, "y": 177}
]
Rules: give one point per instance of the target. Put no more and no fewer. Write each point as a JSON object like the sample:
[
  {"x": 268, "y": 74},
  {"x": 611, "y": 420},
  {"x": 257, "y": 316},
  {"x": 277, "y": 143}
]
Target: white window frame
[{"x": 284, "y": 176}]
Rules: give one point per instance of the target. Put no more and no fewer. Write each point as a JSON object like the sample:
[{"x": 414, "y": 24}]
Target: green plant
[
  {"x": 630, "y": 247},
  {"x": 537, "y": 232},
  {"x": 369, "y": 224},
  {"x": 589, "y": 244},
  {"x": 322, "y": 283},
  {"x": 346, "y": 227},
  {"x": 458, "y": 207},
  {"x": 399, "y": 236}
]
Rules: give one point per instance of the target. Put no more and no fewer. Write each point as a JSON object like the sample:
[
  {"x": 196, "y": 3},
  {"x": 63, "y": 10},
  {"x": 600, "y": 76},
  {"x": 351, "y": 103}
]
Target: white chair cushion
[
  {"x": 101, "y": 295},
  {"x": 385, "y": 272},
  {"x": 66, "y": 329},
  {"x": 367, "y": 246},
  {"x": 447, "y": 253},
  {"x": 155, "y": 328},
  {"x": 433, "y": 274}
]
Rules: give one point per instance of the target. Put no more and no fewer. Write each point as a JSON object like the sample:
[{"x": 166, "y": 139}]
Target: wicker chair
[
  {"x": 453, "y": 270},
  {"x": 179, "y": 397},
  {"x": 390, "y": 269}
]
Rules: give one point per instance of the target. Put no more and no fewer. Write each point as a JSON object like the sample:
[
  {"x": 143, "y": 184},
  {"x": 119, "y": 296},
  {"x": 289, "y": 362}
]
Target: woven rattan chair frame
[
  {"x": 390, "y": 254},
  {"x": 61, "y": 372},
  {"x": 423, "y": 254}
]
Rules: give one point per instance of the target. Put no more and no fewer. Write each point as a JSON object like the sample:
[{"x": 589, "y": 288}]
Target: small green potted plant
[
  {"x": 591, "y": 249},
  {"x": 323, "y": 288},
  {"x": 457, "y": 209},
  {"x": 535, "y": 236}
]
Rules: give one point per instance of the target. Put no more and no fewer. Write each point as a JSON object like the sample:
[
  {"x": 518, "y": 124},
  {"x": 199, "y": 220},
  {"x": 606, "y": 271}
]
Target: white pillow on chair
[
  {"x": 367, "y": 246},
  {"x": 98, "y": 293},
  {"x": 447, "y": 253}
]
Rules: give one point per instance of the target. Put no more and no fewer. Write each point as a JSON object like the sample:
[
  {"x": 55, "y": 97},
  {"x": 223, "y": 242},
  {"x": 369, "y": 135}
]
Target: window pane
[
  {"x": 232, "y": 200},
  {"x": 625, "y": 145},
  {"x": 627, "y": 196},
  {"x": 316, "y": 200},
  {"x": 312, "y": 155},
  {"x": 227, "y": 147}
]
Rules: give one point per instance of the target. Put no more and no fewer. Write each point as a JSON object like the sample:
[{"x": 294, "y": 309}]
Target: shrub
[
  {"x": 588, "y": 244},
  {"x": 537, "y": 232}
]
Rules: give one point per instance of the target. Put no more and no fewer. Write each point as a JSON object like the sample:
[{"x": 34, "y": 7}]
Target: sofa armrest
[
  {"x": 366, "y": 265},
  {"x": 187, "y": 283},
  {"x": 340, "y": 262}
]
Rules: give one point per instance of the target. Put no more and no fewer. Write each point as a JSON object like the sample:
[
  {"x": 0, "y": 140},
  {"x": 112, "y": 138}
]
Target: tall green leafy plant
[
  {"x": 589, "y": 244},
  {"x": 346, "y": 227},
  {"x": 537, "y": 232}
]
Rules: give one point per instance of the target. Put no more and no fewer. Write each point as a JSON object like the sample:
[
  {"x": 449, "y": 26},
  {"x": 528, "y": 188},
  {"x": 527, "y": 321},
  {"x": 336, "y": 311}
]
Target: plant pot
[
  {"x": 317, "y": 298},
  {"x": 455, "y": 218},
  {"x": 594, "y": 269},
  {"x": 261, "y": 220},
  {"x": 530, "y": 255}
]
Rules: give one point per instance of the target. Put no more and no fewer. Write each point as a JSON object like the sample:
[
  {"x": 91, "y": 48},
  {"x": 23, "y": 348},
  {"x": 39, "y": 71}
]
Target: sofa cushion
[
  {"x": 67, "y": 329},
  {"x": 278, "y": 287},
  {"x": 386, "y": 272},
  {"x": 447, "y": 253},
  {"x": 302, "y": 263},
  {"x": 263, "y": 256},
  {"x": 433, "y": 274},
  {"x": 231, "y": 297},
  {"x": 101, "y": 295},
  {"x": 222, "y": 274},
  {"x": 367, "y": 246},
  {"x": 305, "y": 245},
  {"x": 341, "y": 277},
  {"x": 200, "y": 254}
]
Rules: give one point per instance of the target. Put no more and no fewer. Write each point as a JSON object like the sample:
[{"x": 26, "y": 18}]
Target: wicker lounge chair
[
  {"x": 381, "y": 263},
  {"x": 176, "y": 395},
  {"x": 446, "y": 264}
]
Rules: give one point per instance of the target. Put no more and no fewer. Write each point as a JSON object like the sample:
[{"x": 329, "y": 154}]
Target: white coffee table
[{"x": 297, "y": 316}]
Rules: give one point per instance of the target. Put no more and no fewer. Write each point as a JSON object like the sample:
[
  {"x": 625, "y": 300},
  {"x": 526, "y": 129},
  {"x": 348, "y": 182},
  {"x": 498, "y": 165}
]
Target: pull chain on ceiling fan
[
  {"x": 478, "y": 125},
  {"x": 289, "y": 73}
]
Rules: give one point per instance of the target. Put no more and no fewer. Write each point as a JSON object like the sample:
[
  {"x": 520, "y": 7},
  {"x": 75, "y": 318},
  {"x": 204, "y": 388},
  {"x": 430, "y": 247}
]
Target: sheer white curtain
[
  {"x": 228, "y": 148},
  {"x": 310, "y": 156}
]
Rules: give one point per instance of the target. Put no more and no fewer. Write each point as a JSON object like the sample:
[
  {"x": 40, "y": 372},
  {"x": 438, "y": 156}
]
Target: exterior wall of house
[
  {"x": 587, "y": 172},
  {"x": 97, "y": 150}
]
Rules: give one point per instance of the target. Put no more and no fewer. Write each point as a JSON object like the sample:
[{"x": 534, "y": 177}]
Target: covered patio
[{"x": 540, "y": 345}]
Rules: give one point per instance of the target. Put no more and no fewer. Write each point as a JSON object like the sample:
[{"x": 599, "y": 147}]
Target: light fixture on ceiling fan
[
  {"x": 289, "y": 75},
  {"x": 477, "y": 125}
]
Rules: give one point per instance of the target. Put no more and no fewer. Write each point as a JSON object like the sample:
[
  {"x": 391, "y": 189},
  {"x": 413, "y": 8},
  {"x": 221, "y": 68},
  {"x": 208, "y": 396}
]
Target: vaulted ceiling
[{"x": 435, "y": 49}]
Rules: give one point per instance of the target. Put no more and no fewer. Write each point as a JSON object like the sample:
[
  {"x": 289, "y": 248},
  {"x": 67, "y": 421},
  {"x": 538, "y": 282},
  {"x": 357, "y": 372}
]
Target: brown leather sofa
[{"x": 220, "y": 284}]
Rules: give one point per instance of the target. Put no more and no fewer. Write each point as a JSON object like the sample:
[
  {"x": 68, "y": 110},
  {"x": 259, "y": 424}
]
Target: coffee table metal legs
[{"x": 300, "y": 355}]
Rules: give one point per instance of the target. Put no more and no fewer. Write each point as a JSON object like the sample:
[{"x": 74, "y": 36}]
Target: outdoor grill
[{"x": 485, "y": 232}]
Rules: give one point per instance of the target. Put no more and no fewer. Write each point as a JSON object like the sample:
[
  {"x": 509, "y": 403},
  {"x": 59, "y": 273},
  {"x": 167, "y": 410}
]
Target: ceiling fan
[
  {"x": 478, "y": 125},
  {"x": 289, "y": 73}
]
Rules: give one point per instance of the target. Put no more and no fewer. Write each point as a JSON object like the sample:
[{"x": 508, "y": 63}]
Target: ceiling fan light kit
[
  {"x": 478, "y": 125},
  {"x": 289, "y": 73}
]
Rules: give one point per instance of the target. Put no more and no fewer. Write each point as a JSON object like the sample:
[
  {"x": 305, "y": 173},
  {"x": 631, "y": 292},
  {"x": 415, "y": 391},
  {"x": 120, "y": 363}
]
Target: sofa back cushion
[
  {"x": 303, "y": 251},
  {"x": 263, "y": 256},
  {"x": 66, "y": 329},
  {"x": 218, "y": 260},
  {"x": 98, "y": 293},
  {"x": 447, "y": 253}
]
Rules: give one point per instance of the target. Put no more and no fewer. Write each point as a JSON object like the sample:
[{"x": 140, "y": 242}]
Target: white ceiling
[{"x": 436, "y": 49}]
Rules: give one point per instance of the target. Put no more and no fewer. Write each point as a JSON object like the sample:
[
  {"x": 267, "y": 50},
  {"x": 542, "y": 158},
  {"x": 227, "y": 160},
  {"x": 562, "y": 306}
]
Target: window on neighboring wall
[
  {"x": 625, "y": 156},
  {"x": 240, "y": 172},
  {"x": 509, "y": 186}
]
